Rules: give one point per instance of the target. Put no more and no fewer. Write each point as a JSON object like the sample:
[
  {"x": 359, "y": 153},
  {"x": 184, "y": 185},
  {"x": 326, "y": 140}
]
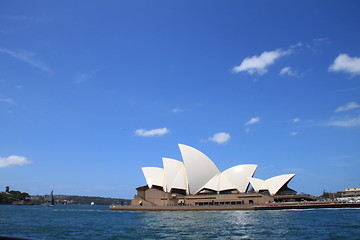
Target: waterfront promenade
[{"x": 268, "y": 206}]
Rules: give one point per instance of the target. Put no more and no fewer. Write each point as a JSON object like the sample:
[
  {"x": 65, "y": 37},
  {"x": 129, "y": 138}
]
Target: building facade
[
  {"x": 197, "y": 181},
  {"x": 351, "y": 192}
]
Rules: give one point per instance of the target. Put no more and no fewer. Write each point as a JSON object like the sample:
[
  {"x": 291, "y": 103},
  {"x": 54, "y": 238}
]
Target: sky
[{"x": 91, "y": 91}]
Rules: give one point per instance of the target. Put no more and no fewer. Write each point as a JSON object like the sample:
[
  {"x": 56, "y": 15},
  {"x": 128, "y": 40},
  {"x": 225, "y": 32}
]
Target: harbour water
[{"x": 97, "y": 222}]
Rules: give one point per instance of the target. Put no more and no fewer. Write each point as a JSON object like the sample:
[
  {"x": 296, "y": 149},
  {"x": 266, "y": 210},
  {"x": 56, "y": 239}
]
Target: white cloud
[
  {"x": 152, "y": 132},
  {"x": 345, "y": 63},
  {"x": 296, "y": 120},
  {"x": 259, "y": 64},
  {"x": 347, "y": 107},
  {"x": 321, "y": 41},
  {"x": 13, "y": 161},
  {"x": 297, "y": 45},
  {"x": 294, "y": 133},
  {"x": 6, "y": 100},
  {"x": 344, "y": 122},
  {"x": 288, "y": 71},
  {"x": 252, "y": 121},
  {"x": 220, "y": 138},
  {"x": 177, "y": 110},
  {"x": 247, "y": 130},
  {"x": 27, "y": 57}
]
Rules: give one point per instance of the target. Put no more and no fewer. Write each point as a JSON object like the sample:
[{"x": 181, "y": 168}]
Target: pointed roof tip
[
  {"x": 165, "y": 159},
  {"x": 250, "y": 164},
  {"x": 180, "y": 145},
  {"x": 187, "y": 147},
  {"x": 290, "y": 175},
  {"x": 184, "y": 147}
]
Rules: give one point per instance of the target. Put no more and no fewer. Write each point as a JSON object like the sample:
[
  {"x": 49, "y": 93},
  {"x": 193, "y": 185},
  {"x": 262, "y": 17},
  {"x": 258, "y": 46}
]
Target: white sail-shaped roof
[
  {"x": 233, "y": 178},
  {"x": 273, "y": 185},
  {"x": 219, "y": 183},
  {"x": 213, "y": 183},
  {"x": 154, "y": 176},
  {"x": 240, "y": 174},
  {"x": 175, "y": 174},
  {"x": 258, "y": 184},
  {"x": 199, "y": 168},
  {"x": 198, "y": 172}
]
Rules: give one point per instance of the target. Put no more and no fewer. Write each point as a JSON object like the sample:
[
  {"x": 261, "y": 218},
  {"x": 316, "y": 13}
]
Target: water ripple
[{"x": 97, "y": 222}]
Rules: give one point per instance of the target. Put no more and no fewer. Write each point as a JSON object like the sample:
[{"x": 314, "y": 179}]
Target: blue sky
[{"x": 90, "y": 92}]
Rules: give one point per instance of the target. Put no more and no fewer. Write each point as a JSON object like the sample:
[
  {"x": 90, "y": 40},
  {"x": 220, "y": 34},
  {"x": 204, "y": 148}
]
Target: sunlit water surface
[{"x": 97, "y": 222}]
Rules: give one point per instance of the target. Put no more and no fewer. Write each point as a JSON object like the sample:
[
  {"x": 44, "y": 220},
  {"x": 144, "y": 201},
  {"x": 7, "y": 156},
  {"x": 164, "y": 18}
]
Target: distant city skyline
[{"x": 90, "y": 92}]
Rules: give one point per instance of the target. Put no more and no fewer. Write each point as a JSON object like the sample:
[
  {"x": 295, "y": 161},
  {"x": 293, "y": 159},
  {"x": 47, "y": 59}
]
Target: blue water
[{"x": 97, "y": 222}]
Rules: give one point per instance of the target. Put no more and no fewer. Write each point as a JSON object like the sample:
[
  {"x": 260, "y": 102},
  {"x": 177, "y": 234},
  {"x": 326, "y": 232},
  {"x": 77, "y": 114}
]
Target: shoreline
[{"x": 270, "y": 206}]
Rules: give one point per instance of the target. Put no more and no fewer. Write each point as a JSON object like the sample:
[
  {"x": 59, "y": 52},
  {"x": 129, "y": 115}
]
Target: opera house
[{"x": 197, "y": 181}]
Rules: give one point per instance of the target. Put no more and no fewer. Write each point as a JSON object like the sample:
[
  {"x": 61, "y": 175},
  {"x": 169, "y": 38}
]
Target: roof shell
[
  {"x": 277, "y": 182},
  {"x": 258, "y": 184},
  {"x": 273, "y": 185},
  {"x": 199, "y": 168},
  {"x": 154, "y": 176},
  {"x": 240, "y": 174},
  {"x": 175, "y": 174},
  {"x": 236, "y": 177}
]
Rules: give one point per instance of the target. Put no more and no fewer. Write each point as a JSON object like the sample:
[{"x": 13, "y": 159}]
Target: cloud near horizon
[
  {"x": 220, "y": 138},
  {"x": 345, "y": 63},
  {"x": 293, "y": 133},
  {"x": 27, "y": 57},
  {"x": 347, "y": 107},
  {"x": 152, "y": 132},
  {"x": 258, "y": 64},
  {"x": 252, "y": 121},
  {"x": 13, "y": 161},
  {"x": 177, "y": 110},
  {"x": 344, "y": 122},
  {"x": 288, "y": 71},
  {"x": 6, "y": 100},
  {"x": 296, "y": 120}
]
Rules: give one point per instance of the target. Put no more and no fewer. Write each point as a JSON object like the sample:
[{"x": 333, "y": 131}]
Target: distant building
[
  {"x": 198, "y": 181},
  {"x": 351, "y": 192}
]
